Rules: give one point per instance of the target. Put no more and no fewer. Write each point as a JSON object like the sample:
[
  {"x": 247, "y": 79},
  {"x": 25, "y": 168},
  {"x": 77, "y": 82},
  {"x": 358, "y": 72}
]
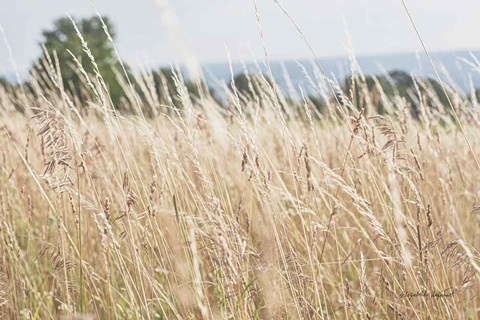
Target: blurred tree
[
  {"x": 250, "y": 85},
  {"x": 477, "y": 94},
  {"x": 166, "y": 88},
  {"x": 395, "y": 83},
  {"x": 318, "y": 102},
  {"x": 4, "y": 82},
  {"x": 63, "y": 38}
]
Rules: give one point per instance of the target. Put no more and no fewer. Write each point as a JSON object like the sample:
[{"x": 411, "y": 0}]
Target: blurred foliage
[
  {"x": 63, "y": 41},
  {"x": 317, "y": 102},
  {"x": 168, "y": 88},
  {"x": 477, "y": 94},
  {"x": 395, "y": 84},
  {"x": 4, "y": 82},
  {"x": 250, "y": 85}
]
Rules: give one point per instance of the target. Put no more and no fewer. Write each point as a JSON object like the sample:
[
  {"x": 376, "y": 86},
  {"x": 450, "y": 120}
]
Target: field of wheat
[{"x": 260, "y": 208}]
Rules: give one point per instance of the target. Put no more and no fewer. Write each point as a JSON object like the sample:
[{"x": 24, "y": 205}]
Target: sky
[{"x": 209, "y": 30}]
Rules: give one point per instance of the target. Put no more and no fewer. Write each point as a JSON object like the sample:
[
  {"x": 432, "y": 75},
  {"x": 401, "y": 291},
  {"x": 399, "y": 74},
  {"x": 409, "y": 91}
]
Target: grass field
[{"x": 259, "y": 209}]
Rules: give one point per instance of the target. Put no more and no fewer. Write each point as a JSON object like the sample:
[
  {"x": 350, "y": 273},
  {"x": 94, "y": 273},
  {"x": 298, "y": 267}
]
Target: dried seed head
[
  {"x": 131, "y": 199},
  {"x": 125, "y": 184},
  {"x": 244, "y": 159},
  {"x": 429, "y": 216},
  {"x": 106, "y": 208}
]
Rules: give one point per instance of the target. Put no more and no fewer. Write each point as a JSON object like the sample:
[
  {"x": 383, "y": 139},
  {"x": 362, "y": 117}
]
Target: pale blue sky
[{"x": 376, "y": 26}]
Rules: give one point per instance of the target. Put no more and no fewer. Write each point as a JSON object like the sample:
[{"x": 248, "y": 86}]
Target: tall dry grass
[{"x": 260, "y": 209}]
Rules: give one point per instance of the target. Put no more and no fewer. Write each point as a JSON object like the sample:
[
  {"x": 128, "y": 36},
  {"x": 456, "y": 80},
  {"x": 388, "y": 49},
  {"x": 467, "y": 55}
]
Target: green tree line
[{"x": 63, "y": 50}]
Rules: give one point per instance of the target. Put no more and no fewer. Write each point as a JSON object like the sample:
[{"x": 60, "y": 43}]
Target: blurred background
[{"x": 151, "y": 34}]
